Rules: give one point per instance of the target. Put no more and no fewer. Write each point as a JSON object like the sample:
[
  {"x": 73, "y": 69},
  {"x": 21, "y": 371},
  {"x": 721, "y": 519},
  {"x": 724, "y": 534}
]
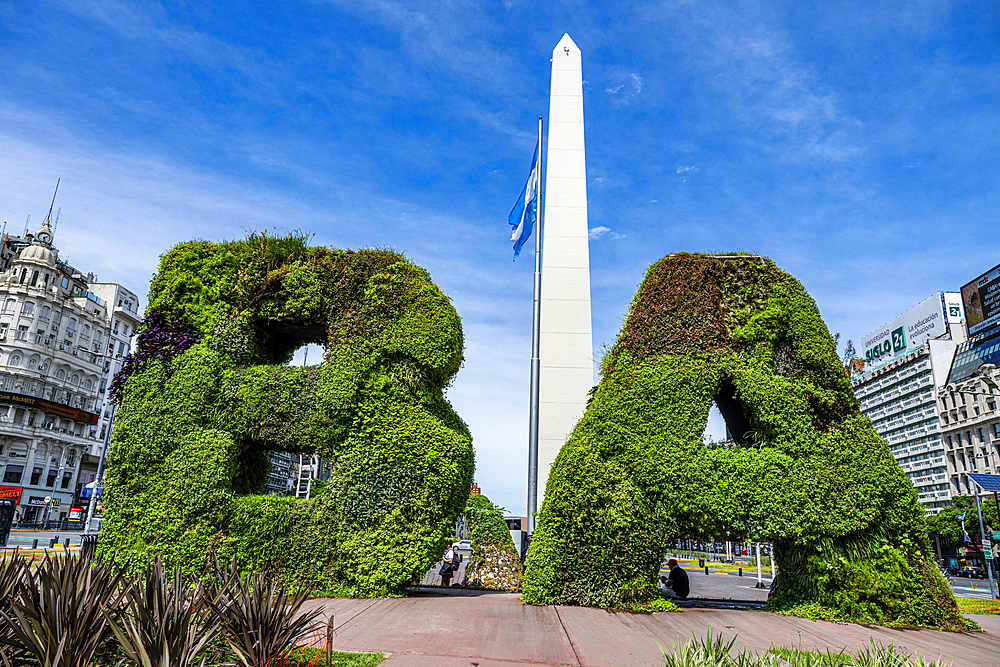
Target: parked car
[
  {"x": 972, "y": 571},
  {"x": 464, "y": 545}
]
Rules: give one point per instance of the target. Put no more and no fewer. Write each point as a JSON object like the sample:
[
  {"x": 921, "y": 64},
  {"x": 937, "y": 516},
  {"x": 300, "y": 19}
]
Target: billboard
[
  {"x": 981, "y": 299},
  {"x": 953, "y": 306},
  {"x": 908, "y": 331}
]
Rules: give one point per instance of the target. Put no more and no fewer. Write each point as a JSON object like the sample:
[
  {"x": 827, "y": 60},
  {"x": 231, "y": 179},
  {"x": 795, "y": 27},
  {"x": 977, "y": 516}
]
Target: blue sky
[{"x": 855, "y": 143}]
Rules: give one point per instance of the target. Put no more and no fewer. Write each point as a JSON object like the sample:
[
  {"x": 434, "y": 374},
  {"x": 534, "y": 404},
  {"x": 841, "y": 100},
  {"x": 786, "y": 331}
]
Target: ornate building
[{"x": 54, "y": 365}]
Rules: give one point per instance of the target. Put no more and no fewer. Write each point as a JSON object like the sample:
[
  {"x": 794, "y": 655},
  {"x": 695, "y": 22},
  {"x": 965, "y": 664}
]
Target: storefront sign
[
  {"x": 12, "y": 492},
  {"x": 49, "y": 406},
  {"x": 76, "y": 514}
]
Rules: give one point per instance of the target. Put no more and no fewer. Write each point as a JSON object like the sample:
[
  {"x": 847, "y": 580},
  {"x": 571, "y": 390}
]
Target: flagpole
[{"x": 535, "y": 336}]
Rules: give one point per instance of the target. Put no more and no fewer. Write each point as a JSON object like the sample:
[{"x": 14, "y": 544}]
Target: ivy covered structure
[
  {"x": 805, "y": 470},
  {"x": 208, "y": 392}
]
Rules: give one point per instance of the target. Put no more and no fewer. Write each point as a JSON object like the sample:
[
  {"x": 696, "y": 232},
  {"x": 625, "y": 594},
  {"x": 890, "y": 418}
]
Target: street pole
[
  {"x": 760, "y": 576},
  {"x": 983, "y": 543},
  {"x": 100, "y": 470},
  {"x": 772, "y": 561},
  {"x": 536, "y": 323}
]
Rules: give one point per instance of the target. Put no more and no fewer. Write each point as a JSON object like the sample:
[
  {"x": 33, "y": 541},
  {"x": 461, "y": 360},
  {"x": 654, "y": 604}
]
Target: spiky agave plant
[
  {"x": 161, "y": 624},
  {"x": 13, "y": 570},
  {"x": 259, "y": 618},
  {"x": 59, "y": 613}
]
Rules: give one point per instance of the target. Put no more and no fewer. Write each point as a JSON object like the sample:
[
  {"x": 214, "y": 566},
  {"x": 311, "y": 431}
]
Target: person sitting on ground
[
  {"x": 446, "y": 568},
  {"x": 676, "y": 584}
]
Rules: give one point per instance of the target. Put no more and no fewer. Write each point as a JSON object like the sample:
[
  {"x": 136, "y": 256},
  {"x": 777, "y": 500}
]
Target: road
[{"x": 24, "y": 538}]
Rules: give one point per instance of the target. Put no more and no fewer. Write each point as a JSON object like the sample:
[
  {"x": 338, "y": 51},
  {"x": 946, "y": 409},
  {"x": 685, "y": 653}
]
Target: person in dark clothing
[{"x": 676, "y": 583}]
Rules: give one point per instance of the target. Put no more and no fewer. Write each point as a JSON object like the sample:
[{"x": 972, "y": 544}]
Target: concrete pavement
[{"x": 480, "y": 629}]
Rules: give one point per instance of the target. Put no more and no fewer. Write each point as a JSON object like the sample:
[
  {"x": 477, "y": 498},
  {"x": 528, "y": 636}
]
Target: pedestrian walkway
[{"x": 461, "y": 628}]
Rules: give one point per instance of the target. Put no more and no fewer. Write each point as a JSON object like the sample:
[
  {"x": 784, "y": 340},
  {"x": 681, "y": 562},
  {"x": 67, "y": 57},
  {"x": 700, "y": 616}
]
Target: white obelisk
[{"x": 566, "y": 342}]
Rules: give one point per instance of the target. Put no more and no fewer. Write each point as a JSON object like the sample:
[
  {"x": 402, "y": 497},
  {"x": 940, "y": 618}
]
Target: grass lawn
[
  {"x": 306, "y": 656},
  {"x": 978, "y": 606}
]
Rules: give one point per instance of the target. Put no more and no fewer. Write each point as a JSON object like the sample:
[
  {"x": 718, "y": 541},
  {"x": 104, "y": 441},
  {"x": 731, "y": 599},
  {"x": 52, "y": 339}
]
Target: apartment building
[
  {"x": 54, "y": 332},
  {"x": 905, "y": 361},
  {"x": 968, "y": 403}
]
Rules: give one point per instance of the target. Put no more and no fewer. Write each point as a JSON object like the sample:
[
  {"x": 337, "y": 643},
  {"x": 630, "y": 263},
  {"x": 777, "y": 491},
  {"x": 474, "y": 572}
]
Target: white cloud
[
  {"x": 596, "y": 233},
  {"x": 626, "y": 92},
  {"x": 681, "y": 170}
]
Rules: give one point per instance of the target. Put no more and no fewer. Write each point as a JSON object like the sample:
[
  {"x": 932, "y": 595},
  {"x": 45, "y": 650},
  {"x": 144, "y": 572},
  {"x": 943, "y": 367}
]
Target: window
[
  {"x": 981, "y": 438},
  {"x": 24, "y": 273},
  {"x": 65, "y": 282},
  {"x": 71, "y": 457},
  {"x": 27, "y": 308},
  {"x": 60, "y": 374},
  {"x": 46, "y": 280},
  {"x": 56, "y": 319},
  {"x": 51, "y": 479},
  {"x": 115, "y": 327},
  {"x": 33, "y": 363},
  {"x": 12, "y": 474},
  {"x": 122, "y": 349},
  {"x": 124, "y": 329},
  {"x": 36, "y": 474},
  {"x": 87, "y": 384},
  {"x": 75, "y": 379},
  {"x": 97, "y": 341},
  {"x": 71, "y": 327},
  {"x": 8, "y": 306},
  {"x": 996, "y": 430},
  {"x": 22, "y": 332},
  {"x": 34, "y": 278},
  {"x": 963, "y": 398},
  {"x": 15, "y": 360},
  {"x": 39, "y": 336},
  {"x": 3, "y": 330},
  {"x": 44, "y": 314}
]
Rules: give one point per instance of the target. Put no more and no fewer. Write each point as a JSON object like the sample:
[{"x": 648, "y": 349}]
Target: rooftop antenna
[
  {"x": 27, "y": 220},
  {"x": 55, "y": 225},
  {"x": 48, "y": 218}
]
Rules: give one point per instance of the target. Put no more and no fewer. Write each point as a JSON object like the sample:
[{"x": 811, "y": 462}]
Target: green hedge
[
  {"x": 495, "y": 562},
  {"x": 206, "y": 394},
  {"x": 808, "y": 472}
]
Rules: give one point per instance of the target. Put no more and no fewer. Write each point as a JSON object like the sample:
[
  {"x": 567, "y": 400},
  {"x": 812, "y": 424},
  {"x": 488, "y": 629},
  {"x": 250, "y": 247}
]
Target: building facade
[
  {"x": 905, "y": 362},
  {"x": 54, "y": 333},
  {"x": 970, "y": 418}
]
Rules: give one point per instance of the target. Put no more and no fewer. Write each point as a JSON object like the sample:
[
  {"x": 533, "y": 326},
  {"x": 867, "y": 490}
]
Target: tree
[
  {"x": 850, "y": 354},
  {"x": 948, "y": 523}
]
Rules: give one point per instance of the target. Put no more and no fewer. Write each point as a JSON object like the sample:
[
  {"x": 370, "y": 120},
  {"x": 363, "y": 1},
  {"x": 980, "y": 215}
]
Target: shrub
[
  {"x": 495, "y": 563},
  {"x": 207, "y": 394},
  {"x": 806, "y": 470}
]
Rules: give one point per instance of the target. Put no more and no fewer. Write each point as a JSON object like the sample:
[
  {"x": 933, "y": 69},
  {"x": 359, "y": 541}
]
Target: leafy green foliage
[
  {"x": 947, "y": 521},
  {"x": 806, "y": 472},
  {"x": 188, "y": 454},
  {"x": 495, "y": 563}
]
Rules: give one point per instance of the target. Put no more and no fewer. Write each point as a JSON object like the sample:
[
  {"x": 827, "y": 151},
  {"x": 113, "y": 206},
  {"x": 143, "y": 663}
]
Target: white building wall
[{"x": 566, "y": 344}]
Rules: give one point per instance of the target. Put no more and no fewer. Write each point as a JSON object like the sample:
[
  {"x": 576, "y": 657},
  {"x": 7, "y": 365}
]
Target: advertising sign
[
  {"x": 981, "y": 299},
  {"x": 49, "y": 406},
  {"x": 76, "y": 514},
  {"x": 953, "y": 307},
  {"x": 907, "y": 332},
  {"x": 12, "y": 492}
]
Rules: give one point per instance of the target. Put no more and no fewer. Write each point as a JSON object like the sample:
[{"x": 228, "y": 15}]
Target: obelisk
[{"x": 566, "y": 343}]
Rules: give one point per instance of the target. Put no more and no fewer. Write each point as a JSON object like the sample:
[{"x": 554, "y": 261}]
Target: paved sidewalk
[{"x": 473, "y": 629}]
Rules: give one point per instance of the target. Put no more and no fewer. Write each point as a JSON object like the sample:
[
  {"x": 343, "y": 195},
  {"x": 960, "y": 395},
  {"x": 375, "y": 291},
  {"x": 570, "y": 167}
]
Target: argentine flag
[{"x": 522, "y": 217}]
